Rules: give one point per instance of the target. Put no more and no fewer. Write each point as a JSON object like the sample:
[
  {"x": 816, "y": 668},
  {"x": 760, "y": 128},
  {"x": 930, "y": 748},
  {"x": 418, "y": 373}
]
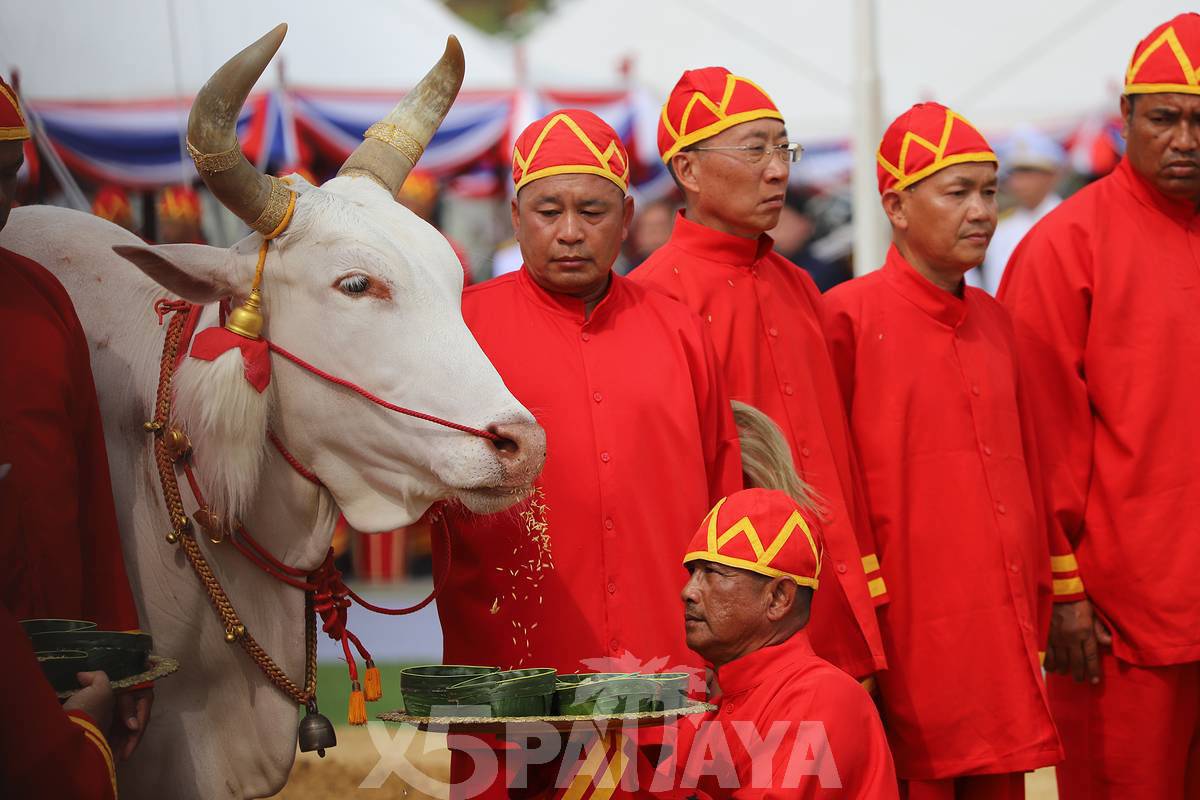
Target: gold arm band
[
  {"x": 271, "y": 219},
  {"x": 215, "y": 162},
  {"x": 398, "y": 138}
]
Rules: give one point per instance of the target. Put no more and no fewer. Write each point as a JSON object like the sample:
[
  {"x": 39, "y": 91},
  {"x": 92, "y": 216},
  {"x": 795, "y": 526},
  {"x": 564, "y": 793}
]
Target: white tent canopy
[
  {"x": 123, "y": 49},
  {"x": 999, "y": 64}
]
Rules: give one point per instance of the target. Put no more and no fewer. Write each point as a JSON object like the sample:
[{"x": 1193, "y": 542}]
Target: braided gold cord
[
  {"x": 181, "y": 527},
  {"x": 209, "y": 163},
  {"x": 398, "y": 138}
]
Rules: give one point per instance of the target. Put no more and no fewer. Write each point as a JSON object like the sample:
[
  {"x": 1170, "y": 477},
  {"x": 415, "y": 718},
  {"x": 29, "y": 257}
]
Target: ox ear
[{"x": 196, "y": 272}]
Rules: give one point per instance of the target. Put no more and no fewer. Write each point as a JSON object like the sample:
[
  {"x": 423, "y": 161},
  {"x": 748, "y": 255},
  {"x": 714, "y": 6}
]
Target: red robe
[
  {"x": 764, "y": 316},
  {"x": 934, "y": 399},
  {"x": 1104, "y": 294},
  {"x": 641, "y": 443},
  {"x": 45, "y": 752},
  {"x": 825, "y": 736},
  {"x": 60, "y": 550}
]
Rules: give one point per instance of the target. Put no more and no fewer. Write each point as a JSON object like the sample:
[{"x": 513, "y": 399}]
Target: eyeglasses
[{"x": 757, "y": 153}]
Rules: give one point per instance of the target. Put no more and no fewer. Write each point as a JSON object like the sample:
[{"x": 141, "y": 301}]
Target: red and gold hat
[
  {"x": 926, "y": 139},
  {"x": 111, "y": 203},
  {"x": 179, "y": 203},
  {"x": 705, "y": 102},
  {"x": 763, "y": 531},
  {"x": 12, "y": 121},
  {"x": 570, "y": 141},
  {"x": 1168, "y": 60}
]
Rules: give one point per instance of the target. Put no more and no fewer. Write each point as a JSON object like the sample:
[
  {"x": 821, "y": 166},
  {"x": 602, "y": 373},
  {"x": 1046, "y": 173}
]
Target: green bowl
[
  {"x": 512, "y": 693},
  {"x": 620, "y": 694},
  {"x": 118, "y": 654},
  {"x": 33, "y": 627},
  {"x": 60, "y": 666},
  {"x": 425, "y": 686},
  {"x": 672, "y": 689}
]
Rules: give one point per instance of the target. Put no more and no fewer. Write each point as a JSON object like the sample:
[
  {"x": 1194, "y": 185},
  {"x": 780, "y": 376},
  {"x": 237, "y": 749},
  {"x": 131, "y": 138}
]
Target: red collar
[
  {"x": 750, "y": 670},
  {"x": 713, "y": 245},
  {"x": 564, "y": 305},
  {"x": 1183, "y": 211},
  {"x": 943, "y": 306}
]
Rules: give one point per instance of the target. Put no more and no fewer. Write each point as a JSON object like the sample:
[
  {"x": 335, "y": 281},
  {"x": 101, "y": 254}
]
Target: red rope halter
[{"x": 331, "y": 597}]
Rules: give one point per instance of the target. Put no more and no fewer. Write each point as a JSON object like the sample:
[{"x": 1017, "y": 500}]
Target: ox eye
[{"x": 354, "y": 284}]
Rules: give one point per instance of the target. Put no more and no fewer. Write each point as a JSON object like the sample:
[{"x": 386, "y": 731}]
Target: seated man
[{"x": 788, "y": 723}]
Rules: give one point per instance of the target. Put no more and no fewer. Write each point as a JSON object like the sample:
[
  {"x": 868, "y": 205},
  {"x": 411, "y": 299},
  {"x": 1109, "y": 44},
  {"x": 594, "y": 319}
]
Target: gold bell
[
  {"x": 247, "y": 319},
  {"x": 235, "y": 633},
  {"x": 178, "y": 444},
  {"x": 172, "y": 536}
]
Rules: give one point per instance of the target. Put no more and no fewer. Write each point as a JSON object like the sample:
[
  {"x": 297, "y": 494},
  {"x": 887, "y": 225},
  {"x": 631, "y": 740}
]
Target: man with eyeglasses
[
  {"x": 726, "y": 146},
  {"x": 936, "y": 403}
]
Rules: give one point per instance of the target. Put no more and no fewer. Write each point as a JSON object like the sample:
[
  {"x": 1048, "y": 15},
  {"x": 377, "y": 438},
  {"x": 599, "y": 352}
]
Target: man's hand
[
  {"x": 1076, "y": 636},
  {"x": 131, "y": 717},
  {"x": 95, "y": 698}
]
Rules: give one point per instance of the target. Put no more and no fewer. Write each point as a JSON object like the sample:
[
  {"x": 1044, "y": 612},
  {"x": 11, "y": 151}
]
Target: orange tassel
[
  {"x": 357, "y": 714},
  {"x": 372, "y": 683}
]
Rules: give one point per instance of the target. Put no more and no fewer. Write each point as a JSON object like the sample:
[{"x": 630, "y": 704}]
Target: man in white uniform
[{"x": 1031, "y": 164}]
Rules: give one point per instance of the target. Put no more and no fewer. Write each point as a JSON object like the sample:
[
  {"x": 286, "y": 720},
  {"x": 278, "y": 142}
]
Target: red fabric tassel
[{"x": 256, "y": 355}]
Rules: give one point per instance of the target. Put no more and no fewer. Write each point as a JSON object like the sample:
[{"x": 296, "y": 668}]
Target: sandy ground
[{"x": 347, "y": 770}]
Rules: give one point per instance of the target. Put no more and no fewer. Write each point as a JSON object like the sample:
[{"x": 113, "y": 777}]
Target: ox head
[{"x": 362, "y": 288}]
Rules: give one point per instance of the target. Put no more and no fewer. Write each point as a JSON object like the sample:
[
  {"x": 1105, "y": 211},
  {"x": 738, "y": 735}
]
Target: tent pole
[{"x": 870, "y": 240}]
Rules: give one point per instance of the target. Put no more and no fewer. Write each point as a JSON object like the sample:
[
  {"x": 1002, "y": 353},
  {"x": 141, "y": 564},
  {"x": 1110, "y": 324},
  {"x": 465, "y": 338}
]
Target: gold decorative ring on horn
[
  {"x": 270, "y": 222},
  {"x": 398, "y": 138},
  {"x": 210, "y": 163}
]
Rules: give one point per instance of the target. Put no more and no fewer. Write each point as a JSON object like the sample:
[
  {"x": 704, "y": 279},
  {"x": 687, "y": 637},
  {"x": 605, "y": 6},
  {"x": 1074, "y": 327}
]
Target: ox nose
[{"x": 521, "y": 450}]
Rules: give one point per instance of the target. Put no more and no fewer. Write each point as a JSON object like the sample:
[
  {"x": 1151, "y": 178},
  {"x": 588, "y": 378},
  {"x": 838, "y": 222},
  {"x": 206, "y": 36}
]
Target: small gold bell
[
  {"x": 247, "y": 319},
  {"x": 172, "y": 537},
  {"x": 234, "y": 633},
  {"x": 178, "y": 444},
  {"x": 316, "y": 731}
]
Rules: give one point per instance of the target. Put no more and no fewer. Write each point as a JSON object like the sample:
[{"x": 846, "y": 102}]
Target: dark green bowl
[
  {"x": 512, "y": 693},
  {"x": 672, "y": 689},
  {"x": 621, "y": 694},
  {"x": 33, "y": 627},
  {"x": 60, "y": 666},
  {"x": 118, "y": 654},
  {"x": 425, "y": 686}
]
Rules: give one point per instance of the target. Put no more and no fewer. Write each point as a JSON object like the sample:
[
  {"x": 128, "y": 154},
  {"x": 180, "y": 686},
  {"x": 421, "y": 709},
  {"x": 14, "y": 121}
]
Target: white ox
[{"x": 357, "y": 285}]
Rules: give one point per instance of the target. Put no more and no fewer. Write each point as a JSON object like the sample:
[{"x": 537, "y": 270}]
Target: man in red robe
[
  {"x": 724, "y": 141},
  {"x": 639, "y": 431},
  {"x": 788, "y": 724},
  {"x": 933, "y": 392},
  {"x": 640, "y": 435},
  {"x": 60, "y": 551},
  {"x": 1104, "y": 294}
]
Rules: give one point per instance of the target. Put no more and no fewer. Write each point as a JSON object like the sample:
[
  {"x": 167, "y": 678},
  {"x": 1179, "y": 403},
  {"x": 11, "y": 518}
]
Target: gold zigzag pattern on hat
[
  {"x": 940, "y": 160},
  {"x": 604, "y": 158},
  {"x": 15, "y": 132},
  {"x": 764, "y": 556},
  {"x": 1167, "y": 38},
  {"x": 720, "y": 110}
]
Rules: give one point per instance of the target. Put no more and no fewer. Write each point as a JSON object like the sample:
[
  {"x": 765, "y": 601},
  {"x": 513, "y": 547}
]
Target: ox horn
[
  {"x": 260, "y": 201},
  {"x": 392, "y": 146}
]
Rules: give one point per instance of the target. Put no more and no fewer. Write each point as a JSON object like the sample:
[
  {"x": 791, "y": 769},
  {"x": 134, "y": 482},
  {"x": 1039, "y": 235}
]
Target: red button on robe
[
  {"x": 60, "y": 551},
  {"x": 821, "y": 735},
  {"x": 641, "y": 443},
  {"x": 932, "y": 389},
  {"x": 1105, "y": 298},
  {"x": 764, "y": 316}
]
